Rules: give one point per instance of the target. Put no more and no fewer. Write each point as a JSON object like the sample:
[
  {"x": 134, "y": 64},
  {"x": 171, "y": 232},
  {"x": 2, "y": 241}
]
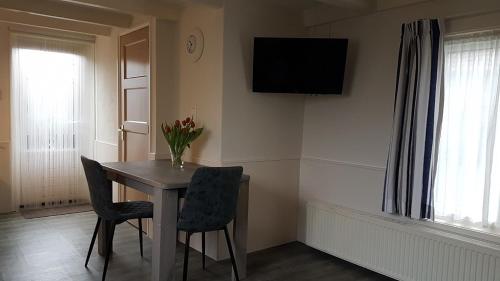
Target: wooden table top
[{"x": 156, "y": 173}]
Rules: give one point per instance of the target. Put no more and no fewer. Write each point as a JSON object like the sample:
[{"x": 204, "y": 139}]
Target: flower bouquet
[{"x": 180, "y": 135}]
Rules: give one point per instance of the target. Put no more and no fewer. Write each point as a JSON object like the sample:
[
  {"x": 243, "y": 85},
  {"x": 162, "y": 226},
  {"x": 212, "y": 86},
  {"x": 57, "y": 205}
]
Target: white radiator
[{"x": 404, "y": 251}]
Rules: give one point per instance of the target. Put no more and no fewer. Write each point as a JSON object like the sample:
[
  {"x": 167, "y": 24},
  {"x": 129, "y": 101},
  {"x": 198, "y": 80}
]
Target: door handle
[{"x": 121, "y": 130}]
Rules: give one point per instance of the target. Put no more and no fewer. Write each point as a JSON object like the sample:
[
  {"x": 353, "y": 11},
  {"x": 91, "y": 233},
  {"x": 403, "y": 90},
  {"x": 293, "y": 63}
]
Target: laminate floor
[{"x": 54, "y": 248}]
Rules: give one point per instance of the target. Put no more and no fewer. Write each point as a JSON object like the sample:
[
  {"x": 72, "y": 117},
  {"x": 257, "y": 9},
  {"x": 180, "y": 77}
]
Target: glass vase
[{"x": 176, "y": 157}]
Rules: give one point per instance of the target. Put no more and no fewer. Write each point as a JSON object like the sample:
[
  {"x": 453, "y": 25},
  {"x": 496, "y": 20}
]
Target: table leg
[
  {"x": 102, "y": 242},
  {"x": 164, "y": 234},
  {"x": 240, "y": 231}
]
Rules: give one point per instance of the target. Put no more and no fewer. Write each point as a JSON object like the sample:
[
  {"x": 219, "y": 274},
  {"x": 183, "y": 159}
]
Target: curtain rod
[
  {"x": 445, "y": 18},
  {"x": 52, "y": 35},
  {"x": 490, "y": 23},
  {"x": 473, "y": 32},
  {"x": 471, "y": 15}
]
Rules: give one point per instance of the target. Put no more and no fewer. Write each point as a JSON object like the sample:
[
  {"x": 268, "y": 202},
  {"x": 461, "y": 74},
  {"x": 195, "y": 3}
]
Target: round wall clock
[{"x": 194, "y": 44}]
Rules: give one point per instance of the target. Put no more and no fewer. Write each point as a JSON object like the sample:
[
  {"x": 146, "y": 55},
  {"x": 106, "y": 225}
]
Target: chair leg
[
  {"x": 230, "y": 248},
  {"x": 108, "y": 253},
  {"x": 186, "y": 256},
  {"x": 93, "y": 240},
  {"x": 178, "y": 215},
  {"x": 203, "y": 249},
  {"x": 140, "y": 235}
]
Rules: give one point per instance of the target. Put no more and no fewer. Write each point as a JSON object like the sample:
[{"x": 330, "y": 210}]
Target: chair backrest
[
  {"x": 100, "y": 187},
  {"x": 211, "y": 199}
]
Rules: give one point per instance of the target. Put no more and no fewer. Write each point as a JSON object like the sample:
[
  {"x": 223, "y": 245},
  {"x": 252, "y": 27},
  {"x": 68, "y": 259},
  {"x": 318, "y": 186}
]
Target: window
[
  {"x": 467, "y": 186},
  {"x": 52, "y": 119}
]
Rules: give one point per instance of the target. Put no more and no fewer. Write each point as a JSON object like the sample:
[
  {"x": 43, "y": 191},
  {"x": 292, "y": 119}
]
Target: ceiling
[
  {"x": 295, "y": 4},
  {"x": 101, "y": 14}
]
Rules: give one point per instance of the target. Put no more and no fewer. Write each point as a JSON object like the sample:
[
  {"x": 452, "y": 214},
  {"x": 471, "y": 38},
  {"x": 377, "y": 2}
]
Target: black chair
[
  {"x": 210, "y": 204},
  {"x": 115, "y": 213}
]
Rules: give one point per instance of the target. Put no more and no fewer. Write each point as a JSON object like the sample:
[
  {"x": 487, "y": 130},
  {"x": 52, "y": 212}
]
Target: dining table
[{"x": 166, "y": 185}]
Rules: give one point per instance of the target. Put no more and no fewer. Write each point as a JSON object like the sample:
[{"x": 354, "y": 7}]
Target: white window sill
[{"x": 482, "y": 234}]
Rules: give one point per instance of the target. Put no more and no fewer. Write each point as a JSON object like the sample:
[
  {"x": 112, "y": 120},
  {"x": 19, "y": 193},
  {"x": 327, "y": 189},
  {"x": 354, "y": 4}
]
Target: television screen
[{"x": 299, "y": 65}]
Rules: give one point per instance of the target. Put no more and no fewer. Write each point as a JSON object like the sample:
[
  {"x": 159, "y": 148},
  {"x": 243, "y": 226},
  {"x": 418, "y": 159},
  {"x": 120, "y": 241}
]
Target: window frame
[{"x": 484, "y": 234}]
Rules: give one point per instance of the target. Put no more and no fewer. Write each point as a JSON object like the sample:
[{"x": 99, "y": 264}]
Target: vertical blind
[
  {"x": 467, "y": 187},
  {"x": 52, "y": 119}
]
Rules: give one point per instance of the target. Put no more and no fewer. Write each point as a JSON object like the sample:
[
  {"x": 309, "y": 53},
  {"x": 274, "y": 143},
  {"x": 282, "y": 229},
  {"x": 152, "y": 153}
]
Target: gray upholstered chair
[
  {"x": 115, "y": 213},
  {"x": 210, "y": 204}
]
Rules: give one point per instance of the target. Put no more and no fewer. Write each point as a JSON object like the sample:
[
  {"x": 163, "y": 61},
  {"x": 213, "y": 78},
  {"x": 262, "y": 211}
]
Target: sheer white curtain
[
  {"x": 52, "y": 119},
  {"x": 467, "y": 189}
]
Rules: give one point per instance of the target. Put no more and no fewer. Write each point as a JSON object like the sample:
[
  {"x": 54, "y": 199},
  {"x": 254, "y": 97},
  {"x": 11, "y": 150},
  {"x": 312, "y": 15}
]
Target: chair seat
[{"x": 132, "y": 210}]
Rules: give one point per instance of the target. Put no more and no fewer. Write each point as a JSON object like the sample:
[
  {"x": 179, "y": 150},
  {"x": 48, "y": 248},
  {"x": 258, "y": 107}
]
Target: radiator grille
[{"x": 401, "y": 251}]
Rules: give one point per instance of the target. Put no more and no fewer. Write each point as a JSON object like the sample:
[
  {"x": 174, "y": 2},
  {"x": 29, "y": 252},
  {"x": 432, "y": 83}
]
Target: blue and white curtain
[{"x": 411, "y": 163}]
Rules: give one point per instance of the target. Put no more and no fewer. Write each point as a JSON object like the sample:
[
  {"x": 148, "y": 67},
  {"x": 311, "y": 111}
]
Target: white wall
[
  {"x": 164, "y": 100},
  {"x": 200, "y": 83},
  {"x": 179, "y": 85},
  {"x": 106, "y": 96},
  {"x": 261, "y": 132},
  {"x": 106, "y": 72},
  {"x": 346, "y": 138},
  {"x": 106, "y": 99}
]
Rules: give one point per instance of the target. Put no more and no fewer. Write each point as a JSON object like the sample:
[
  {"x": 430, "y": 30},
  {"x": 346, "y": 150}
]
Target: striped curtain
[{"x": 408, "y": 189}]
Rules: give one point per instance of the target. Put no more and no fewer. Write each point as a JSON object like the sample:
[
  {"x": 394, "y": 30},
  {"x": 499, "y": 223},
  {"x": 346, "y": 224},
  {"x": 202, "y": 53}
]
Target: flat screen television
[{"x": 299, "y": 65}]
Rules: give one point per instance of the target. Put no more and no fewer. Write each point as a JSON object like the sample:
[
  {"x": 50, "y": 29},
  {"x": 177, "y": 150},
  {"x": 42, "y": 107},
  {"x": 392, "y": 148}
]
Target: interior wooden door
[{"x": 134, "y": 103}]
